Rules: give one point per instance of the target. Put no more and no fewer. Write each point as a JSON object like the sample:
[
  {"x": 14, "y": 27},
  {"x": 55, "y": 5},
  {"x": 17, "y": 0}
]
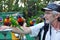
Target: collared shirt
[
  {"x": 35, "y": 29},
  {"x": 55, "y": 35}
]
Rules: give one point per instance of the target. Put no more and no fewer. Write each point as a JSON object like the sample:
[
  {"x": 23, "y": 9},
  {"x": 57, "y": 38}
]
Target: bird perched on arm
[
  {"x": 7, "y": 21},
  {"x": 20, "y": 20}
]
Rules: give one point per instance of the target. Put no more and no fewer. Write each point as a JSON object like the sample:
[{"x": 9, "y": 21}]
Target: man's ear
[
  {"x": 56, "y": 16},
  {"x": 58, "y": 19}
]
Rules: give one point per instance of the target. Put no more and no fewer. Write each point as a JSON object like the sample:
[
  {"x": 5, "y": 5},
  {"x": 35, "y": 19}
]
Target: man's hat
[{"x": 55, "y": 6}]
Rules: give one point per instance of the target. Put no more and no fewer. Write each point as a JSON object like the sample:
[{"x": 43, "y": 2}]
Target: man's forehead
[
  {"x": 53, "y": 12},
  {"x": 48, "y": 11}
]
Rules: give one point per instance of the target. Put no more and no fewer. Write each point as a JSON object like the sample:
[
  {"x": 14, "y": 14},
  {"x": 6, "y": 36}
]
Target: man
[{"x": 52, "y": 16}]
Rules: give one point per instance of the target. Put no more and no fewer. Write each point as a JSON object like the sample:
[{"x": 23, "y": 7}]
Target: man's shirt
[
  {"x": 35, "y": 29},
  {"x": 55, "y": 35}
]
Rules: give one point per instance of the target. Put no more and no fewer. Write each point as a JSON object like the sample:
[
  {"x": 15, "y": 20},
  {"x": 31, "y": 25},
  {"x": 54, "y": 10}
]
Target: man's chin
[{"x": 47, "y": 21}]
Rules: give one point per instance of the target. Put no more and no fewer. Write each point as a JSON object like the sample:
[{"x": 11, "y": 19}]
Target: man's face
[{"x": 48, "y": 16}]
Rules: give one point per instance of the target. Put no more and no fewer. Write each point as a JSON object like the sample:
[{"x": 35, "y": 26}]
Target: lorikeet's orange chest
[
  {"x": 7, "y": 20},
  {"x": 20, "y": 20},
  {"x": 31, "y": 22}
]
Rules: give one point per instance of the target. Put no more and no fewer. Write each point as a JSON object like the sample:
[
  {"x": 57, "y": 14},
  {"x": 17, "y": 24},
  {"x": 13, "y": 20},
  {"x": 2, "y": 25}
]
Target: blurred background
[{"x": 29, "y": 9}]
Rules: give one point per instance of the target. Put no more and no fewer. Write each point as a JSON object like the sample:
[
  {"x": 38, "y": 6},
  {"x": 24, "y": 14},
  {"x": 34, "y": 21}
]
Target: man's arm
[
  {"x": 34, "y": 30},
  {"x": 25, "y": 30},
  {"x": 17, "y": 30}
]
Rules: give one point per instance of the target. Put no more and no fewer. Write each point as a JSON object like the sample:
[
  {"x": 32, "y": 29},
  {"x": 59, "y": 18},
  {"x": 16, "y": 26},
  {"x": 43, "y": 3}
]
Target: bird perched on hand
[{"x": 20, "y": 20}]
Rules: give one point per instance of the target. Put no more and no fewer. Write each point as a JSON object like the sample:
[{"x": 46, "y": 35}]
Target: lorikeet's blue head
[
  {"x": 18, "y": 16},
  {"x": 7, "y": 17}
]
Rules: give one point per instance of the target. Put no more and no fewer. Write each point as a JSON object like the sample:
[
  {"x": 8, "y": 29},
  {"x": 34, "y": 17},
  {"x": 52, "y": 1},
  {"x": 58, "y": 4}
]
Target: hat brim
[{"x": 46, "y": 9}]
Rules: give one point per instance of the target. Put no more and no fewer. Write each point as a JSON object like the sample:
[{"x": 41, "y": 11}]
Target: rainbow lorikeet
[
  {"x": 7, "y": 21},
  {"x": 32, "y": 22},
  {"x": 20, "y": 20}
]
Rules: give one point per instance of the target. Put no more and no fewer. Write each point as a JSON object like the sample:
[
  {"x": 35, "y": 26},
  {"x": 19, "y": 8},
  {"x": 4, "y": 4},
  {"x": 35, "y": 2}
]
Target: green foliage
[{"x": 31, "y": 9}]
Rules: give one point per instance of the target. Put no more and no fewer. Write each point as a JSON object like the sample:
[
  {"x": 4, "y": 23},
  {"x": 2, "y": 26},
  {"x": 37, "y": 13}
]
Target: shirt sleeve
[{"x": 35, "y": 29}]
